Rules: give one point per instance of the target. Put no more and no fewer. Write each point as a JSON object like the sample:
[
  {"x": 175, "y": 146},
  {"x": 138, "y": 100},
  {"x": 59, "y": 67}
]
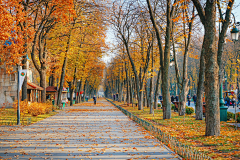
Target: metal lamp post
[
  {"x": 223, "y": 109},
  {"x": 234, "y": 36}
]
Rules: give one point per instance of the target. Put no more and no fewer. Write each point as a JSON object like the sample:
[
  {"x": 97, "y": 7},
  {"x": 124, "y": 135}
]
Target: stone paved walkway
[{"x": 82, "y": 132}]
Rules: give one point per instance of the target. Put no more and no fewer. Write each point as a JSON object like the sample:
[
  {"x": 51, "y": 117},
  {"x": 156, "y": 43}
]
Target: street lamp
[
  {"x": 234, "y": 34},
  {"x": 223, "y": 109}
]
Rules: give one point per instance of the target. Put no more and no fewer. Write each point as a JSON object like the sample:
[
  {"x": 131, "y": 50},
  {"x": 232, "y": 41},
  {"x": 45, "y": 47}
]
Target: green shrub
[
  {"x": 189, "y": 110},
  {"x": 159, "y": 105},
  {"x": 173, "y": 107},
  {"x": 230, "y": 115},
  {"x": 238, "y": 119}
]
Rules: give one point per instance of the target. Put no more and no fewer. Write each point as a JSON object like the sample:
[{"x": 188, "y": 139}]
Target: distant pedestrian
[
  {"x": 95, "y": 99},
  {"x": 228, "y": 101},
  {"x": 114, "y": 97},
  {"x": 195, "y": 98},
  {"x": 172, "y": 98},
  {"x": 176, "y": 98},
  {"x": 234, "y": 100},
  {"x": 160, "y": 98},
  {"x": 189, "y": 99},
  {"x": 238, "y": 99}
]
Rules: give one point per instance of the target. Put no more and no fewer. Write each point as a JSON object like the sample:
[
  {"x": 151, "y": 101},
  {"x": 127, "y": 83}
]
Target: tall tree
[
  {"x": 133, "y": 30},
  {"x": 208, "y": 18},
  {"x": 183, "y": 82},
  {"x": 44, "y": 21},
  {"x": 164, "y": 53}
]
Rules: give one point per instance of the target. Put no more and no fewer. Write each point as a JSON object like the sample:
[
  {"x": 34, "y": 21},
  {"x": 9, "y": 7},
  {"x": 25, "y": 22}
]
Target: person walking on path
[
  {"x": 176, "y": 98},
  {"x": 234, "y": 100},
  {"x": 188, "y": 99},
  {"x": 172, "y": 98},
  {"x": 195, "y": 99},
  {"x": 228, "y": 101},
  {"x": 95, "y": 99},
  {"x": 238, "y": 99}
]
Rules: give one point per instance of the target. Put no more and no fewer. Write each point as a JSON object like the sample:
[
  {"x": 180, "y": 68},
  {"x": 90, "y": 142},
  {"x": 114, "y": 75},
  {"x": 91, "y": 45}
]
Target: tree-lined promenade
[{"x": 159, "y": 49}]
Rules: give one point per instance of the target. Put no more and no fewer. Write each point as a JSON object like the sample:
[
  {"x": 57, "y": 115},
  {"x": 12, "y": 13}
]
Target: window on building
[
  {"x": 13, "y": 98},
  {"x": 12, "y": 77}
]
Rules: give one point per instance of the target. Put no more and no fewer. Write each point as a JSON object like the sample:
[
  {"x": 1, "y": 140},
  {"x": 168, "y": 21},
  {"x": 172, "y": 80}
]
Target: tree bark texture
[
  {"x": 127, "y": 80},
  {"x": 72, "y": 88},
  {"x": 43, "y": 85},
  {"x": 24, "y": 61},
  {"x": 157, "y": 88},
  {"x": 200, "y": 88},
  {"x": 63, "y": 70},
  {"x": 164, "y": 56},
  {"x": 208, "y": 18}
]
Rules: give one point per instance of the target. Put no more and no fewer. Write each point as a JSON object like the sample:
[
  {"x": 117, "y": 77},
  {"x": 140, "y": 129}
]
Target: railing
[{"x": 184, "y": 151}]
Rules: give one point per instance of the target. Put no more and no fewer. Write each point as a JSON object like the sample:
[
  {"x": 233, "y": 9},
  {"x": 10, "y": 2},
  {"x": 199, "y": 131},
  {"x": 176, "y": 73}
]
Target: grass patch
[
  {"x": 191, "y": 132},
  {"x": 8, "y": 116}
]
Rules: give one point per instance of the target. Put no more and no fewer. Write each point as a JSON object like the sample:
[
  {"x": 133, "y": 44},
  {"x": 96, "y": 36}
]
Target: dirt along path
[{"x": 84, "y": 131}]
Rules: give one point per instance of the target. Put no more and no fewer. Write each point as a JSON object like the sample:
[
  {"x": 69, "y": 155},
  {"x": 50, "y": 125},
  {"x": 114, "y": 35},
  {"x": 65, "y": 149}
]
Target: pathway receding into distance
[{"x": 82, "y": 132}]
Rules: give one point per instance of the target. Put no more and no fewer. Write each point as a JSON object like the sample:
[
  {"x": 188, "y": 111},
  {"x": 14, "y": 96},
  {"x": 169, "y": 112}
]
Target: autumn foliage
[{"x": 34, "y": 108}]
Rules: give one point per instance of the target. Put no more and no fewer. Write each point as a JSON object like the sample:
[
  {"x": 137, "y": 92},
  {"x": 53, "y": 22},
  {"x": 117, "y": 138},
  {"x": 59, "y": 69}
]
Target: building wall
[{"x": 8, "y": 88}]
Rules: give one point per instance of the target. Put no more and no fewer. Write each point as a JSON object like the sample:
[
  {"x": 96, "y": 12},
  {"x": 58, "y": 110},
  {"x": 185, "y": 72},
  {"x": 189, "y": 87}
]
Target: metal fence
[{"x": 184, "y": 151}]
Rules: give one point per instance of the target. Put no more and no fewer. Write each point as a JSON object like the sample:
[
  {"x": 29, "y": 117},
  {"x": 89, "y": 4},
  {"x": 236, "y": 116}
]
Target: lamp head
[{"x": 234, "y": 33}]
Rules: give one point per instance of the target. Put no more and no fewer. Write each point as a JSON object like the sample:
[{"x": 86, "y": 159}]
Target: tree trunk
[
  {"x": 151, "y": 96},
  {"x": 52, "y": 78},
  {"x": 200, "y": 89},
  {"x": 62, "y": 80},
  {"x": 131, "y": 90},
  {"x": 182, "y": 98},
  {"x": 24, "y": 86},
  {"x": 211, "y": 72},
  {"x": 79, "y": 90},
  {"x": 84, "y": 90},
  {"x": 64, "y": 69},
  {"x": 24, "y": 61},
  {"x": 137, "y": 81},
  {"x": 73, "y": 87},
  {"x": 164, "y": 56},
  {"x": 43, "y": 85},
  {"x": 151, "y": 85},
  {"x": 127, "y": 80},
  {"x": 157, "y": 88}
]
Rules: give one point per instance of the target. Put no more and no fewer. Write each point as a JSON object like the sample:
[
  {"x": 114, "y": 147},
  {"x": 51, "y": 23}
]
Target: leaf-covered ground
[
  {"x": 84, "y": 131},
  {"x": 192, "y": 132},
  {"x": 8, "y": 116}
]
